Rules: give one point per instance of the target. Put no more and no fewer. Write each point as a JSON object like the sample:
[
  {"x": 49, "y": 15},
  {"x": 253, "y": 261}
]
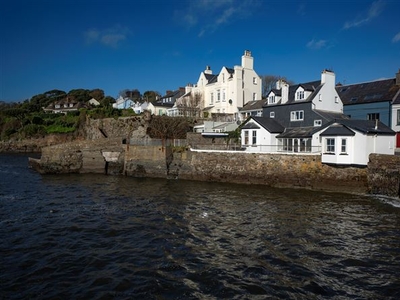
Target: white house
[
  {"x": 123, "y": 103},
  {"x": 94, "y": 102},
  {"x": 350, "y": 142},
  {"x": 141, "y": 107},
  {"x": 225, "y": 93}
]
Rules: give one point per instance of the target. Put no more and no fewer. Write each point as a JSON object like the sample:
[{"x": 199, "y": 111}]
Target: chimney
[
  {"x": 284, "y": 91},
  {"x": 208, "y": 70},
  {"x": 328, "y": 77},
  {"x": 247, "y": 60},
  {"x": 398, "y": 78}
]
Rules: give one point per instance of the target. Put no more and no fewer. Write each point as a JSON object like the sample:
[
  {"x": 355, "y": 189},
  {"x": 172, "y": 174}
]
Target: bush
[{"x": 59, "y": 129}]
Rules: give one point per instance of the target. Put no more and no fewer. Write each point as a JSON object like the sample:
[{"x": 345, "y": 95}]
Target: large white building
[{"x": 223, "y": 94}]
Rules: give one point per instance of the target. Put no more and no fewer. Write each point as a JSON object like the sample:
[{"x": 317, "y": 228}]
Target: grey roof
[
  {"x": 269, "y": 124},
  {"x": 298, "y": 132},
  {"x": 328, "y": 115},
  {"x": 313, "y": 86},
  {"x": 338, "y": 129},
  {"x": 364, "y": 126},
  {"x": 253, "y": 105},
  {"x": 369, "y": 92}
]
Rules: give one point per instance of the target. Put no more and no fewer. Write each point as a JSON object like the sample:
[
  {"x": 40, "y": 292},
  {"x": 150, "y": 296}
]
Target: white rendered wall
[{"x": 327, "y": 98}]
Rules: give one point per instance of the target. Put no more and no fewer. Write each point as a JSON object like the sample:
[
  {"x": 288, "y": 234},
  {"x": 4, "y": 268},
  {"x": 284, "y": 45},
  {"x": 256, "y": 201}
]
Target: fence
[{"x": 158, "y": 142}]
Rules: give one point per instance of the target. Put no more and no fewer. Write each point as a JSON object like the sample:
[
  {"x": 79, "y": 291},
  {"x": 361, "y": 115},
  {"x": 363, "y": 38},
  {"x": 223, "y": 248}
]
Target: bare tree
[
  {"x": 164, "y": 127},
  {"x": 269, "y": 83},
  {"x": 191, "y": 105}
]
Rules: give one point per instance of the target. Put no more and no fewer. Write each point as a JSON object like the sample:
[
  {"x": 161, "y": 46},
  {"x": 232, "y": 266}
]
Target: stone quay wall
[{"x": 382, "y": 176}]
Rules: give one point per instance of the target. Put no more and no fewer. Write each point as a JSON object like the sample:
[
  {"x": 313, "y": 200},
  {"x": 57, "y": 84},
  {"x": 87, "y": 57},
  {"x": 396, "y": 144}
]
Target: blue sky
[{"x": 162, "y": 45}]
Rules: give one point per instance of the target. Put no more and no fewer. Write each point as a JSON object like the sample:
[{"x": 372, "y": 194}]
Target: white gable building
[{"x": 225, "y": 93}]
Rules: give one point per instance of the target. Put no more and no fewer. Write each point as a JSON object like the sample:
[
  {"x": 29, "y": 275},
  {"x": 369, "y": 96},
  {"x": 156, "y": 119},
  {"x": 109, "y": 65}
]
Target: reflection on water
[{"x": 100, "y": 237}]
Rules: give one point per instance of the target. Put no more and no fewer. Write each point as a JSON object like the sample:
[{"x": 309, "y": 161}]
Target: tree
[
  {"x": 164, "y": 127},
  {"x": 269, "y": 83},
  {"x": 97, "y": 94},
  {"x": 151, "y": 96},
  {"x": 190, "y": 106},
  {"x": 81, "y": 95}
]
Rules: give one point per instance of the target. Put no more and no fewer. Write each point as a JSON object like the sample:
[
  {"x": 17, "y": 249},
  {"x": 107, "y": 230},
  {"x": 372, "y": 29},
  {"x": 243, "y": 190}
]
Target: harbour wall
[{"x": 382, "y": 176}]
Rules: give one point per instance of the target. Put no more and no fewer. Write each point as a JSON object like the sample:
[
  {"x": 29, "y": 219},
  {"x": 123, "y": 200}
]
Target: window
[
  {"x": 271, "y": 99},
  {"x": 212, "y": 98},
  {"x": 223, "y": 77},
  {"x": 246, "y": 137},
  {"x": 272, "y": 114},
  {"x": 317, "y": 123},
  {"x": 300, "y": 95},
  {"x": 344, "y": 146},
  {"x": 398, "y": 117},
  {"x": 320, "y": 97},
  {"x": 373, "y": 116},
  {"x": 254, "y": 96},
  {"x": 218, "y": 95},
  {"x": 336, "y": 99},
  {"x": 254, "y": 80},
  {"x": 297, "y": 115},
  {"x": 330, "y": 145},
  {"x": 254, "y": 137},
  {"x": 223, "y": 96}
]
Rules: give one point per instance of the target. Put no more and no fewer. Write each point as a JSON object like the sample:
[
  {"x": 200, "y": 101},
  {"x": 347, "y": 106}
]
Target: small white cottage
[{"x": 350, "y": 142}]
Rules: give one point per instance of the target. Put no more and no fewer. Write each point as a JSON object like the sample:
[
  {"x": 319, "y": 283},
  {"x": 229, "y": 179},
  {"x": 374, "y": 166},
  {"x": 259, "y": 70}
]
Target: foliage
[
  {"x": 269, "y": 83},
  {"x": 59, "y": 129},
  {"x": 164, "y": 127},
  {"x": 151, "y": 96}
]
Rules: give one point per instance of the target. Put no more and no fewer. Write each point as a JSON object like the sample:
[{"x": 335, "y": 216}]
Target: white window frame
[
  {"x": 254, "y": 137},
  {"x": 317, "y": 123},
  {"x": 272, "y": 114},
  {"x": 246, "y": 137},
  {"x": 343, "y": 146},
  {"x": 300, "y": 95},
  {"x": 297, "y": 115},
  {"x": 330, "y": 145},
  {"x": 212, "y": 99},
  {"x": 398, "y": 117},
  {"x": 271, "y": 99}
]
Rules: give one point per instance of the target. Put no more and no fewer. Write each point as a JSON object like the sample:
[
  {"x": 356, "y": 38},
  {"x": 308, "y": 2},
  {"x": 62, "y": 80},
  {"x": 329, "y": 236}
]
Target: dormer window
[
  {"x": 271, "y": 99},
  {"x": 300, "y": 95}
]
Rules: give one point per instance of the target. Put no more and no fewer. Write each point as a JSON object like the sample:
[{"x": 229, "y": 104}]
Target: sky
[{"x": 160, "y": 45}]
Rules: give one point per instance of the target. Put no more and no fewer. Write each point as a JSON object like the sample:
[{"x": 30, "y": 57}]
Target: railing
[
  {"x": 227, "y": 147},
  {"x": 158, "y": 142},
  {"x": 258, "y": 149}
]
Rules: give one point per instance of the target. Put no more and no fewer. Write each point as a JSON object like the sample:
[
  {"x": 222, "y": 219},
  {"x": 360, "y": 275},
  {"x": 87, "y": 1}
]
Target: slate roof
[
  {"x": 338, "y": 129},
  {"x": 369, "y": 92},
  {"x": 299, "y": 132},
  {"x": 269, "y": 124},
  {"x": 327, "y": 115},
  {"x": 253, "y": 105},
  {"x": 364, "y": 126},
  {"x": 313, "y": 86}
]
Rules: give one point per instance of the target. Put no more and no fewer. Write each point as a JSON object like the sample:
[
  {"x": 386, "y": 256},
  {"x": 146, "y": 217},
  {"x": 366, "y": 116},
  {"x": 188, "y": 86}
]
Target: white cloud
[
  {"x": 317, "y": 44},
  {"x": 396, "y": 38},
  {"x": 209, "y": 15},
  {"x": 374, "y": 11},
  {"x": 111, "y": 37}
]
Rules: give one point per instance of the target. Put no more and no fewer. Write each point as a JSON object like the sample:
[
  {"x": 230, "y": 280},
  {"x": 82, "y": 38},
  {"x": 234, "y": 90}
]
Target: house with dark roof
[
  {"x": 375, "y": 100},
  {"x": 166, "y": 102},
  {"x": 223, "y": 94},
  {"x": 252, "y": 108},
  {"x": 308, "y": 118},
  {"x": 301, "y": 109},
  {"x": 64, "y": 106},
  {"x": 350, "y": 142}
]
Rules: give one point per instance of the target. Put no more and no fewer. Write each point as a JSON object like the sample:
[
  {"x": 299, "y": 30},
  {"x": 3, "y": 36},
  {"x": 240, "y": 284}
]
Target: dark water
[{"x": 106, "y": 237}]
